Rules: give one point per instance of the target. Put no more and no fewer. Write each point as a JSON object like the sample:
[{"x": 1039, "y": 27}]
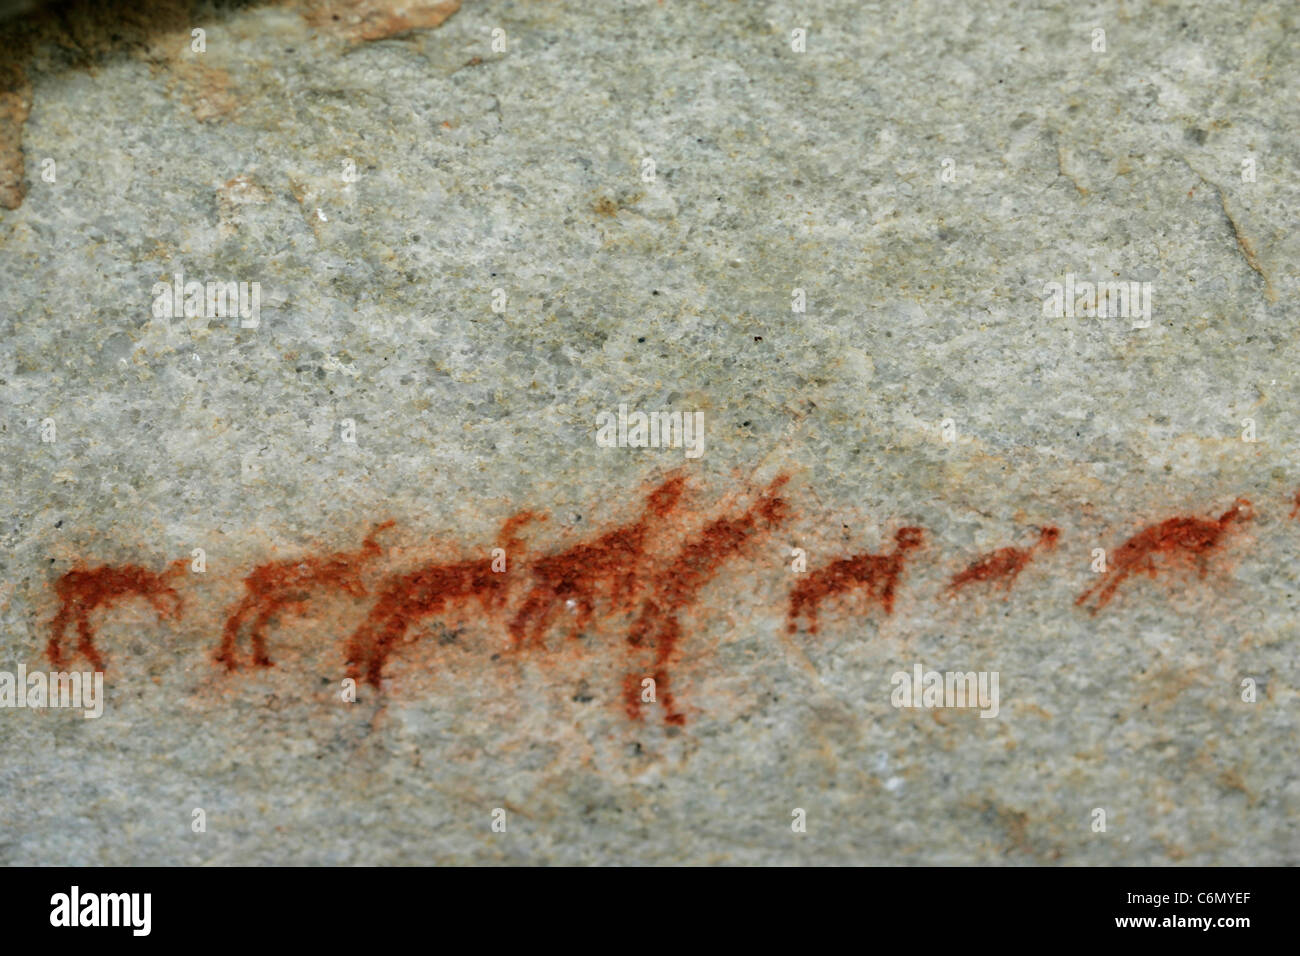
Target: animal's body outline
[
  {"x": 878, "y": 574},
  {"x": 677, "y": 585},
  {"x": 633, "y": 578},
  {"x": 1004, "y": 565},
  {"x": 408, "y": 597},
  {"x": 567, "y": 576},
  {"x": 288, "y": 584},
  {"x": 1180, "y": 537},
  {"x": 82, "y": 590}
]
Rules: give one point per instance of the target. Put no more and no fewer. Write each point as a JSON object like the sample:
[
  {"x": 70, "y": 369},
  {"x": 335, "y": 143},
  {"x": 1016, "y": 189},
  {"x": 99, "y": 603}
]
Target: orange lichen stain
[
  {"x": 82, "y": 590},
  {"x": 610, "y": 570},
  {"x": 1181, "y": 539},
  {"x": 1004, "y": 565},
  {"x": 206, "y": 90},
  {"x": 287, "y": 585},
  {"x": 15, "y": 104},
  {"x": 359, "y": 21},
  {"x": 406, "y": 599},
  {"x": 677, "y": 585},
  {"x": 878, "y": 574}
]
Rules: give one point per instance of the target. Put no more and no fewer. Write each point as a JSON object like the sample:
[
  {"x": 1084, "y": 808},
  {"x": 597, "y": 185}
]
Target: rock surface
[{"x": 465, "y": 254}]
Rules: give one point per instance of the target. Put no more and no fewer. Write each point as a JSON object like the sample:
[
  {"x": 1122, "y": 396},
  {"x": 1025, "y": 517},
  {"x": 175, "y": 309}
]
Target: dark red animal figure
[
  {"x": 82, "y": 590},
  {"x": 408, "y": 598},
  {"x": 878, "y": 574},
  {"x": 1181, "y": 540},
  {"x": 677, "y": 585},
  {"x": 1004, "y": 565},
  {"x": 611, "y": 569},
  {"x": 287, "y": 585}
]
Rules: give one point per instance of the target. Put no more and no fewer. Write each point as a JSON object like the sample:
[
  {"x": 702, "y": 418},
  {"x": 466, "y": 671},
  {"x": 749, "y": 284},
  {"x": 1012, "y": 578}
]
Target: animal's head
[
  {"x": 1241, "y": 510},
  {"x": 1048, "y": 536},
  {"x": 664, "y": 498},
  {"x": 508, "y": 537},
  {"x": 771, "y": 506},
  {"x": 909, "y": 538}
]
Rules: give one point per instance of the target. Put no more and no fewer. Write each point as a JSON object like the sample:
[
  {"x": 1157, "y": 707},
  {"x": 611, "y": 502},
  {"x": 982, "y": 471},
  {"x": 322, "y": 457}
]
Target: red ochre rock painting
[
  {"x": 625, "y": 573},
  {"x": 1003, "y": 566},
  {"x": 287, "y": 585},
  {"x": 408, "y": 598},
  {"x": 1181, "y": 540},
  {"x": 676, "y": 587},
  {"x": 612, "y": 569},
  {"x": 876, "y": 574},
  {"x": 82, "y": 590}
]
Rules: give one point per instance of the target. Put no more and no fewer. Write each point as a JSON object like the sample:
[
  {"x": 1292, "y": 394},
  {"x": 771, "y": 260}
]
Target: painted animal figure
[
  {"x": 877, "y": 574},
  {"x": 611, "y": 569},
  {"x": 408, "y": 598},
  {"x": 677, "y": 585},
  {"x": 1181, "y": 539},
  {"x": 82, "y": 590},
  {"x": 1004, "y": 565},
  {"x": 287, "y": 585}
]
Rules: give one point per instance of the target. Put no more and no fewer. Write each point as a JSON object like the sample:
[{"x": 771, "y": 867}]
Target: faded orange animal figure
[
  {"x": 677, "y": 585},
  {"x": 879, "y": 574},
  {"x": 1004, "y": 565},
  {"x": 1182, "y": 539},
  {"x": 611, "y": 568},
  {"x": 408, "y": 598},
  {"x": 287, "y": 585},
  {"x": 82, "y": 590}
]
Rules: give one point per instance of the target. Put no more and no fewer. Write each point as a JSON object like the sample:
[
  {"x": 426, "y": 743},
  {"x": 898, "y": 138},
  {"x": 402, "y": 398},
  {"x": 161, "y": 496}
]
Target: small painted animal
[
  {"x": 1004, "y": 565},
  {"x": 287, "y": 585},
  {"x": 877, "y": 574},
  {"x": 82, "y": 590},
  {"x": 1189, "y": 540},
  {"x": 406, "y": 599},
  {"x": 677, "y": 585},
  {"x": 611, "y": 569}
]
